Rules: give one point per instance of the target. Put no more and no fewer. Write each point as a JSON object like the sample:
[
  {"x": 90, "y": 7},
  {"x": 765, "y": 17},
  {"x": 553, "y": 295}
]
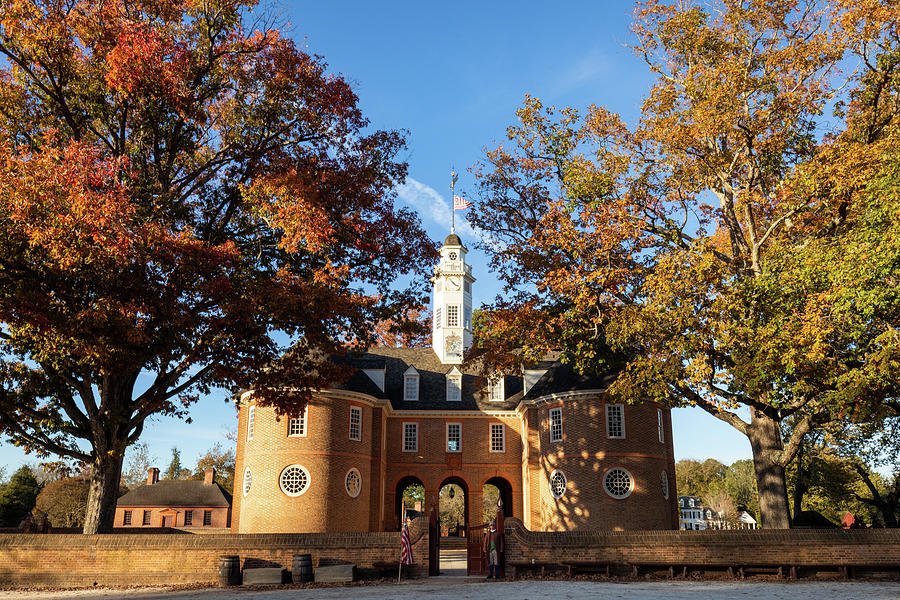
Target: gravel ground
[{"x": 466, "y": 589}]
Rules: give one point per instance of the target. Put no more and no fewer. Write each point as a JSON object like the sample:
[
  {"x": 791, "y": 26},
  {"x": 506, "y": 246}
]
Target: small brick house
[
  {"x": 561, "y": 454},
  {"x": 181, "y": 503}
]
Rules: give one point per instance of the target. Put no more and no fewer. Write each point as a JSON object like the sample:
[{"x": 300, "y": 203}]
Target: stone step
[
  {"x": 335, "y": 574},
  {"x": 263, "y": 576}
]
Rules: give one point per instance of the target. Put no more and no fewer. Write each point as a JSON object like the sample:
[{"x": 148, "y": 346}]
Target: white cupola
[{"x": 452, "y": 327}]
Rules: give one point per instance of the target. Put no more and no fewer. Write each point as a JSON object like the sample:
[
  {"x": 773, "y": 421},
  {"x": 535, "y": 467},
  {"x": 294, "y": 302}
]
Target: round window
[
  {"x": 557, "y": 484},
  {"x": 664, "y": 484},
  {"x": 353, "y": 482},
  {"x": 453, "y": 256},
  {"x": 248, "y": 479},
  {"x": 618, "y": 483},
  {"x": 294, "y": 480}
]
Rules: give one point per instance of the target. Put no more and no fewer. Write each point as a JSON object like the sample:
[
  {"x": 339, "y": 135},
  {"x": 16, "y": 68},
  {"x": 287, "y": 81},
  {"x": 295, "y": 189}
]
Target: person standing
[{"x": 493, "y": 546}]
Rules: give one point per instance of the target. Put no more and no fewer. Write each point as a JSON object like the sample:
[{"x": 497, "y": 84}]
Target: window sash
[
  {"x": 659, "y": 418},
  {"x": 126, "y": 518},
  {"x": 556, "y": 431},
  {"x": 411, "y": 388},
  {"x": 437, "y": 318},
  {"x": 454, "y": 437},
  {"x": 498, "y": 437},
  {"x": 454, "y": 388},
  {"x": 297, "y": 425},
  {"x": 410, "y": 437},
  {"x": 146, "y": 517},
  {"x": 207, "y": 517},
  {"x": 497, "y": 394},
  {"x": 250, "y": 418},
  {"x": 188, "y": 518},
  {"x": 615, "y": 421},
  {"x": 355, "y": 423}
]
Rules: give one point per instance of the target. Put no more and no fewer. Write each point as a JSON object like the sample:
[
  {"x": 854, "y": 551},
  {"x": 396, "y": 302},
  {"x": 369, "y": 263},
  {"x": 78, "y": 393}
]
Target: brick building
[
  {"x": 561, "y": 456},
  {"x": 179, "y": 503}
]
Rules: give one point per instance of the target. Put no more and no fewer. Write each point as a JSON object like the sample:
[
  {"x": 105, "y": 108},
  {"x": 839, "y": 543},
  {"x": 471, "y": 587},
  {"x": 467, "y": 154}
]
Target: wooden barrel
[
  {"x": 229, "y": 571},
  {"x": 301, "y": 568}
]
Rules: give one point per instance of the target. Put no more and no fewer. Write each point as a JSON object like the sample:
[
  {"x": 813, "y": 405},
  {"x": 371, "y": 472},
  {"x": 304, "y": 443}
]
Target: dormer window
[
  {"x": 454, "y": 386},
  {"x": 497, "y": 391},
  {"x": 411, "y": 385}
]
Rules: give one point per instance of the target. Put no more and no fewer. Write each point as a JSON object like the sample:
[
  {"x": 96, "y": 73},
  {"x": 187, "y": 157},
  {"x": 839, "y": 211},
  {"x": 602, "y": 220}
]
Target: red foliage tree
[{"x": 181, "y": 199}]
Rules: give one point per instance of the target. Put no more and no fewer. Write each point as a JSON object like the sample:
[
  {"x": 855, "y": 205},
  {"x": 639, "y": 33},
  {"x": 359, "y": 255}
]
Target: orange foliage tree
[
  {"x": 183, "y": 195},
  {"x": 722, "y": 252}
]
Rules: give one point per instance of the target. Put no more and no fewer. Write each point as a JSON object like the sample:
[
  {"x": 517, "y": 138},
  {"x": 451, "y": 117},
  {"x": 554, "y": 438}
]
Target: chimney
[
  {"x": 209, "y": 476},
  {"x": 152, "y": 475}
]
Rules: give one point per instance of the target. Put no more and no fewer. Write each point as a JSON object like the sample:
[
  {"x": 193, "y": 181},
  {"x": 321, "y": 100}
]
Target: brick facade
[
  {"x": 156, "y": 559},
  {"x": 327, "y": 454}
]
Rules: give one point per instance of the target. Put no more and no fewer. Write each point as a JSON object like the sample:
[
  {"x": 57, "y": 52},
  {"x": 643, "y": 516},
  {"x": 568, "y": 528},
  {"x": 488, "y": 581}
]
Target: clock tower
[{"x": 452, "y": 327}]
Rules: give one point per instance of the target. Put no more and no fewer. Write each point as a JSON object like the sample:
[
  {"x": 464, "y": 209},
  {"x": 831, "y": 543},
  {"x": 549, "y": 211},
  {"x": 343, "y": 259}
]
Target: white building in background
[{"x": 693, "y": 515}]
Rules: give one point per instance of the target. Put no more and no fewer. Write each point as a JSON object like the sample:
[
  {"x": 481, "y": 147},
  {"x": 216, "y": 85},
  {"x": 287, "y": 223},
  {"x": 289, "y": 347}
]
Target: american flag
[
  {"x": 460, "y": 203},
  {"x": 405, "y": 547}
]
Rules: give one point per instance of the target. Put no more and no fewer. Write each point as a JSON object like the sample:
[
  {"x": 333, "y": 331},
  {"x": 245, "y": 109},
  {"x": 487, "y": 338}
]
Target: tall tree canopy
[
  {"x": 722, "y": 252},
  {"x": 183, "y": 193}
]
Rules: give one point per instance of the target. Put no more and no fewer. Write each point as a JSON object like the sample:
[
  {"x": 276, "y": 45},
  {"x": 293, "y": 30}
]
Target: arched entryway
[
  {"x": 496, "y": 488},
  {"x": 409, "y": 494},
  {"x": 453, "y": 507}
]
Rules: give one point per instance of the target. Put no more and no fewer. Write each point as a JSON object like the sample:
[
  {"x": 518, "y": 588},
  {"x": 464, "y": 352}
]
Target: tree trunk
[
  {"x": 800, "y": 486},
  {"x": 765, "y": 440},
  {"x": 106, "y": 470}
]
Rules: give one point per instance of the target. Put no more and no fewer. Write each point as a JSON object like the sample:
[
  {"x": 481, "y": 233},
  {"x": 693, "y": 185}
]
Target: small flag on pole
[
  {"x": 460, "y": 203},
  {"x": 405, "y": 547}
]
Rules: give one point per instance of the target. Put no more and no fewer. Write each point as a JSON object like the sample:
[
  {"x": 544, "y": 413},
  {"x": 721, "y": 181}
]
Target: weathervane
[{"x": 453, "y": 178}]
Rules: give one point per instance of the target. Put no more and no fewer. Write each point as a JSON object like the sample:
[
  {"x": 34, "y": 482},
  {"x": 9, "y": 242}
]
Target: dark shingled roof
[
  {"x": 432, "y": 381},
  {"x": 562, "y": 377},
  {"x": 177, "y": 493}
]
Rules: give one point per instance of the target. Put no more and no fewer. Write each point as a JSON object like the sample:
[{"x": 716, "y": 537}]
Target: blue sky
[{"x": 452, "y": 75}]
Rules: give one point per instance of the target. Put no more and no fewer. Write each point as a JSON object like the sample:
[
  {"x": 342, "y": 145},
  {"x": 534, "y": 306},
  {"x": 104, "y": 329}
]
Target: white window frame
[
  {"x": 410, "y": 376},
  {"x": 414, "y": 428},
  {"x": 248, "y": 481},
  {"x": 660, "y": 421},
  {"x": 437, "y": 318},
  {"x": 251, "y": 416},
  {"x": 458, "y": 440},
  {"x": 620, "y": 409},
  {"x": 502, "y": 430},
  {"x": 454, "y": 383},
  {"x": 556, "y": 429},
  {"x": 550, "y": 483},
  {"x": 453, "y": 311},
  {"x": 302, "y": 427},
  {"x": 498, "y": 389},
  {"x": 358, "y": 410},
  {"x": 605, "y": 485},
  {"x": 356, "y": 472}
]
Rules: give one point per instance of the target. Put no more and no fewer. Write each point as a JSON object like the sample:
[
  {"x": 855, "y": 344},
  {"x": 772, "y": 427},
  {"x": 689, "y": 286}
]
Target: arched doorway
[
  {"x": 496, "y": 488},
  {"x": 409, "y": 494},
  {"x": 453, "y": 507}
]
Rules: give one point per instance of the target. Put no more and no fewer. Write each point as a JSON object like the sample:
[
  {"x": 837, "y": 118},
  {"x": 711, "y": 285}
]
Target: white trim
[
  {"x": 454, "y": 383},
  {"x": 621, "y": 407},
  {"x": 550, "y": 483},
  {"x": 558, "y": 411},
  {"x": 305, "y": 487},
  {"x": 403, "y": 435},
  {"x": 251, "y": 417},
  {"x": 664, "y": 483},
  {"x": 347, "y": 476},
  {"x": 302, "y": 419},
  {"x": 502, "y": 437},
  {"x": 248, "y": 481},
  {"x": 447, "y": 438},
  {"x": 350, "y": 424},
  {"x": 411, "y": 375},
  {"x": 493, "y": 386},
  {"x": 606, "y": 489},
  {"x": 660, "y": 425}
]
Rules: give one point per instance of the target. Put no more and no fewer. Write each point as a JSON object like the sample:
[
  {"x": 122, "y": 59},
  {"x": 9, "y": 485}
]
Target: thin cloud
[
  {"x": 588, "y": 69},
  {"x": 434, "y": 208}
]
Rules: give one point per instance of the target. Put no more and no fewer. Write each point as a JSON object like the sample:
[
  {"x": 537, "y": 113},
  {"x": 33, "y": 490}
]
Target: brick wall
[
  {"x": 147, "y": 559},
  {"x": 794, "y": 547}
]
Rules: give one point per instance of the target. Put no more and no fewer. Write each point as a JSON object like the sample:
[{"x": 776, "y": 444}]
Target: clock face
[
  {"x": 453, "y": 256},
  {"x": 454, "y": 283}
]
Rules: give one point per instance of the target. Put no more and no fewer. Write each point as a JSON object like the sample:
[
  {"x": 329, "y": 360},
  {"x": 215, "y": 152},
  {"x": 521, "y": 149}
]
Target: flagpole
[
  {"x": 402, "y": 525},
  {"x": 452, "y": 202}
]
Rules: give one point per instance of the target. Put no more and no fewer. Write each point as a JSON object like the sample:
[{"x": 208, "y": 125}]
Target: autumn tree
[
  {"x": 138, "y": 461},
  {"x": 64, "y": 501},
  {"x": 220, "y": 459},
  {"x": 184, "y": 194},
  {"x": 711, "y": 252}
]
